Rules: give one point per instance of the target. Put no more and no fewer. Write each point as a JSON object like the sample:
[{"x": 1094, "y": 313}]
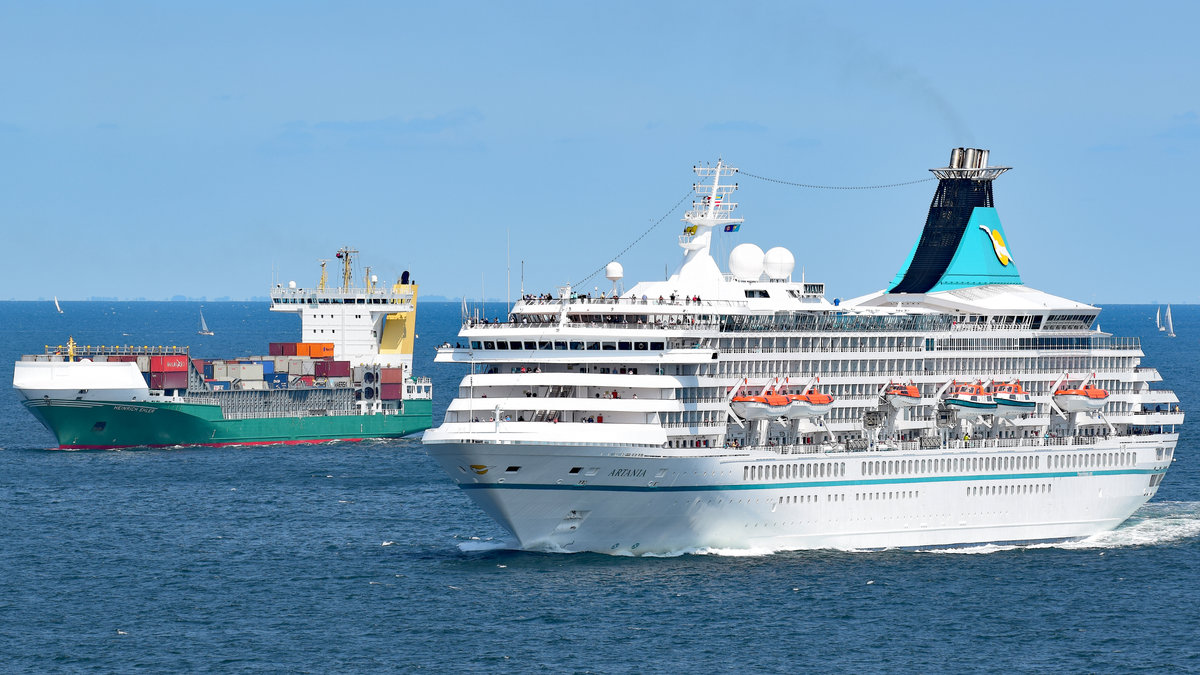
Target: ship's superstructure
[
  {"x": 744, "y": 409},
  {"x": 350, "y": 378}
]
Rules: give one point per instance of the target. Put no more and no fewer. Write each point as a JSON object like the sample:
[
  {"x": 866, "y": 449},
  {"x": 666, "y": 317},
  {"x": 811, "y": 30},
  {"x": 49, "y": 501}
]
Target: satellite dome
[
  {"x": 291, "y": 284},
  {"x": 746, "y": 262},
  {"x": 778, "y": 263},
  {"x": 613, "y": 271}
]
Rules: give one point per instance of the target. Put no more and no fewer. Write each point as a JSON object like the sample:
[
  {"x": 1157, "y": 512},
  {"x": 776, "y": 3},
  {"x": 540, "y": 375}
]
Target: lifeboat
[
  {"x": 902, "y": 395},
  {"x": 1011, "y": 399},
  {"x": 811, "y": 403},
  {"x": 970, "y": 401},
  {"x": 1087, "y": 398},
  {"x": 764, "y": 407}
]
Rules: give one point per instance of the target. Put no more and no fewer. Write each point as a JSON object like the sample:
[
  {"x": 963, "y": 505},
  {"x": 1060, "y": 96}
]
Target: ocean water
[{"x": 365, "y": 557}]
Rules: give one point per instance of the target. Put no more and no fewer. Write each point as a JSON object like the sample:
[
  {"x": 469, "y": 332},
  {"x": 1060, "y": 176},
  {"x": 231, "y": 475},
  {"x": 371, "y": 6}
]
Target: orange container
[
  {"x": 302, "y": 349},
  {"x": 391, "y": 376},
  {"x": 320, "y": 349}
]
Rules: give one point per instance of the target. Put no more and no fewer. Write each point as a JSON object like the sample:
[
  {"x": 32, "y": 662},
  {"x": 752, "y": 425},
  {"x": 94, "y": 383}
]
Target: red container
[
  {"x": 156, "y": 380},
  {"x": 288, "y": 349},
  {"x": 321, "y": 368},
  {"x": 174, "y": 363},
  {"x": 275, "y": 348},
  {"x": 175, "y": 380},
  {"x": 199, "y": 364},
  {"x": 339, "y": 369},
  {"x": 391, "y": 376},
  {"x": 391, "y": 392},
  {"x": 122, "y": 358}
]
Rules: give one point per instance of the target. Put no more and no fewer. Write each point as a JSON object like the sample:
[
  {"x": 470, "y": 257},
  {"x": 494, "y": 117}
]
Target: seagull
[{"x": 998, "y": 244}]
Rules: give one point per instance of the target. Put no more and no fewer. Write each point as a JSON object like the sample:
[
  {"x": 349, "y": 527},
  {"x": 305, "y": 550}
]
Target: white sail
[
  {"x": 1158, "y": 318},
  {"x": 1170, "y": 324},
  {"x": 203, "y": 326},
  {"x": 56, "y": 305}
]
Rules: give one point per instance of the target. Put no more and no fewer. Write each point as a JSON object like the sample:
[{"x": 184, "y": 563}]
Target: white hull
[{"x": 639, "y": 504}]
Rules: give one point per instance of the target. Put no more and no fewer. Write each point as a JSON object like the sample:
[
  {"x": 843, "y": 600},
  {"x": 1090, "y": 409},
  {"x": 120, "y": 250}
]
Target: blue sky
[{"x": 161, "y": 149}]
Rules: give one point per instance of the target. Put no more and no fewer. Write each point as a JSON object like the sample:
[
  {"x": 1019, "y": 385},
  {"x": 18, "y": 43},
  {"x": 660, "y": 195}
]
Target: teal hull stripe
[
  {"x": 807, "y": 484},
  {"x": 970, "y": 404}
]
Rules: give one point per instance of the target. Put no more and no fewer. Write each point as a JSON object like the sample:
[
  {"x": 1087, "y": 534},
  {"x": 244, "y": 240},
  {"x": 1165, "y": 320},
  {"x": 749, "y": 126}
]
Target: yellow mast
[
  {"x": 368, "y": 284},
  {"x": 321, "y": 284},
  {"x": 344, "y": 253}
]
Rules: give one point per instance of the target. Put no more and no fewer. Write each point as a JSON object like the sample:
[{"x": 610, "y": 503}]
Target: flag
[{"x": 732, "y": 228}]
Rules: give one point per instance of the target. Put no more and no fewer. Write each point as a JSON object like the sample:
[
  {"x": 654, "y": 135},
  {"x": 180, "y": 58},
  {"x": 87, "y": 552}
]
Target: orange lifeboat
[
  {"x": 1087, "y": 398},
  {"x": 902, "y": 395},
  {"x": 763, "y": 407},
  {"x": 1011, "y": 399},
  {"x": 811, "y": 403},
  {"x": 970, "y": 401}
]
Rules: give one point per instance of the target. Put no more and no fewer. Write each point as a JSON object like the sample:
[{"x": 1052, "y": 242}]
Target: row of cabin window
[
  {"x": 789, "y": 471},
  {"x": 560, "y": 345},
  {"x": 1092, "y": 459},
  {"x": 887, "y": 467},
  {"x": 872, "y": 496},
  {"x": 1019, "y": 489}
]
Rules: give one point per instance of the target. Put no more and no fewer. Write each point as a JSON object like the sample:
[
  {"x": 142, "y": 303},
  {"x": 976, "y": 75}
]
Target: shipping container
[
  {"x": 391, "y": 392},
  {"x": 245, "y": 371},
  {"x": 252, "y": 385},
  {"x": 295, "y": 367},
  {"x": 219, "y": 385},
  {"x": 339, "y": 382},
  {"x": 208, "y": 371},
  {"x": 339, "y": 369},
  {"x": 357, "y": 373},
  {"x": 199, "y": 365},
  {"x": 156, "y": 380},
  {"x": 307, "y": 380},
  {"x": 306, "y": 368},
  {"x": 220, "y": 371},
  {"x": 268, "y": 366},
  {"x": 168, "y": 363},
  {"x": 99, "y": 359},
  {"x": 281, "y": 364},
  {"x": 175, "y": 380},
  {"x": 321, "y": 368},
  {"x": 302, "y": 349},
  {"x": 289, "y": 349},
  {"x": 275, "y": 348},
  {"x": 143, "y": 362},
  {"x": 391, "y": 375}
]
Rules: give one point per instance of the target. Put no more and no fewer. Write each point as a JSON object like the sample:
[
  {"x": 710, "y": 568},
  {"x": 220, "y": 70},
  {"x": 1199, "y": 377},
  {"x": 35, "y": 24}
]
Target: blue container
[
  {"x": 219, "y": 385},
  {"x": 268, "y": 367},
  {"x": 146, "y": 377},
  {"x": 208, "y": 371}
]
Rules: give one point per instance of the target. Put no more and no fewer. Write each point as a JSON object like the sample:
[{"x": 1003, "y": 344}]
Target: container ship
[
  {"x": 349, "y": 379},
  {"x": 742, "y": 408}
]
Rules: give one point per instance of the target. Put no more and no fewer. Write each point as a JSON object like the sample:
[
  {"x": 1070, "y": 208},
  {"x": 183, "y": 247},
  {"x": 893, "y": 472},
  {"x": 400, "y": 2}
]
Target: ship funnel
[{"x": 962, "y": 212}]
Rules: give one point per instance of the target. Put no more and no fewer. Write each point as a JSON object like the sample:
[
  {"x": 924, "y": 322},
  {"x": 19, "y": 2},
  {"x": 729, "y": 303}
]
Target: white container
[
  {"x": 143, "y": 362},
  {"x": 307, "y": 368}
]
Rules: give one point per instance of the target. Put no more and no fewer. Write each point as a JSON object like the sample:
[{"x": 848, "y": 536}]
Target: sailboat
[
  {"x": 203, "y": 326},
  {"x": 56, "y": 305},
  {"x": 1158, "y": 319},
  {"x": 1170, "y": 324}
]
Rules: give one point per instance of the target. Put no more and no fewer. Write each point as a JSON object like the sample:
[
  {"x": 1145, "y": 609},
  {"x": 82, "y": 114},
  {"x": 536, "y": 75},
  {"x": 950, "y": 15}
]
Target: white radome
[
  {"x": 613, "y": 271},
  {"x": 778, "y": 264},
  {"x": 746, "y": 262}
]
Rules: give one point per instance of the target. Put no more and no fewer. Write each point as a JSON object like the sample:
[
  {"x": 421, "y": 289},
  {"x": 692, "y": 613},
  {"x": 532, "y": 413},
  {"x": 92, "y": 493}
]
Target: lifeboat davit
[
  {"x": 1011, "y": 399},
  {"x": 970, "y": 401},
  {"x": 1087, "y": 398},
  {"x": 902, "y": 395},
  {"x": 811, "y": 403},
  {"x": 764, "y": 407}
]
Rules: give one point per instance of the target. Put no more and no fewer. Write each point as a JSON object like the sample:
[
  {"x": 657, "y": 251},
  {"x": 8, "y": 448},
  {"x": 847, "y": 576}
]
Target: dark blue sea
[{"x": 365, "y": 557}]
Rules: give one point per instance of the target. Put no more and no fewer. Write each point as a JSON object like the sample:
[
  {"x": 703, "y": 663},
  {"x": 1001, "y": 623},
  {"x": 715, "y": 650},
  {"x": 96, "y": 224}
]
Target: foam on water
[{"x": 1153, "y": 524}]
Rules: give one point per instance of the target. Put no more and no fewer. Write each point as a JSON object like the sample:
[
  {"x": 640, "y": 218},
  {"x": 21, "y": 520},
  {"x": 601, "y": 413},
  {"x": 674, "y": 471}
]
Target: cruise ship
[{"x": 743, "y": 409}]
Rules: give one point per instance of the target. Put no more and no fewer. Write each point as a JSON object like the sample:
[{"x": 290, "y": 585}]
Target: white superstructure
[{"x": 607, "y": 423}]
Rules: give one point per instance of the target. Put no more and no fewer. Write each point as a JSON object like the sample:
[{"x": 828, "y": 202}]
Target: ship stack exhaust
[{"x": 962, "y": 186}]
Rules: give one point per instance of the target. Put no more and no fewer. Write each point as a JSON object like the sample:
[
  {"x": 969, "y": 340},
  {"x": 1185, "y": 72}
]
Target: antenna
[{"x": 321, "y": 283}]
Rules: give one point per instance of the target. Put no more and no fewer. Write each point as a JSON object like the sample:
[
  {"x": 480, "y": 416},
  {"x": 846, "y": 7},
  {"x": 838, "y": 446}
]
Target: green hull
[{"x": 102, "y": 424}]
